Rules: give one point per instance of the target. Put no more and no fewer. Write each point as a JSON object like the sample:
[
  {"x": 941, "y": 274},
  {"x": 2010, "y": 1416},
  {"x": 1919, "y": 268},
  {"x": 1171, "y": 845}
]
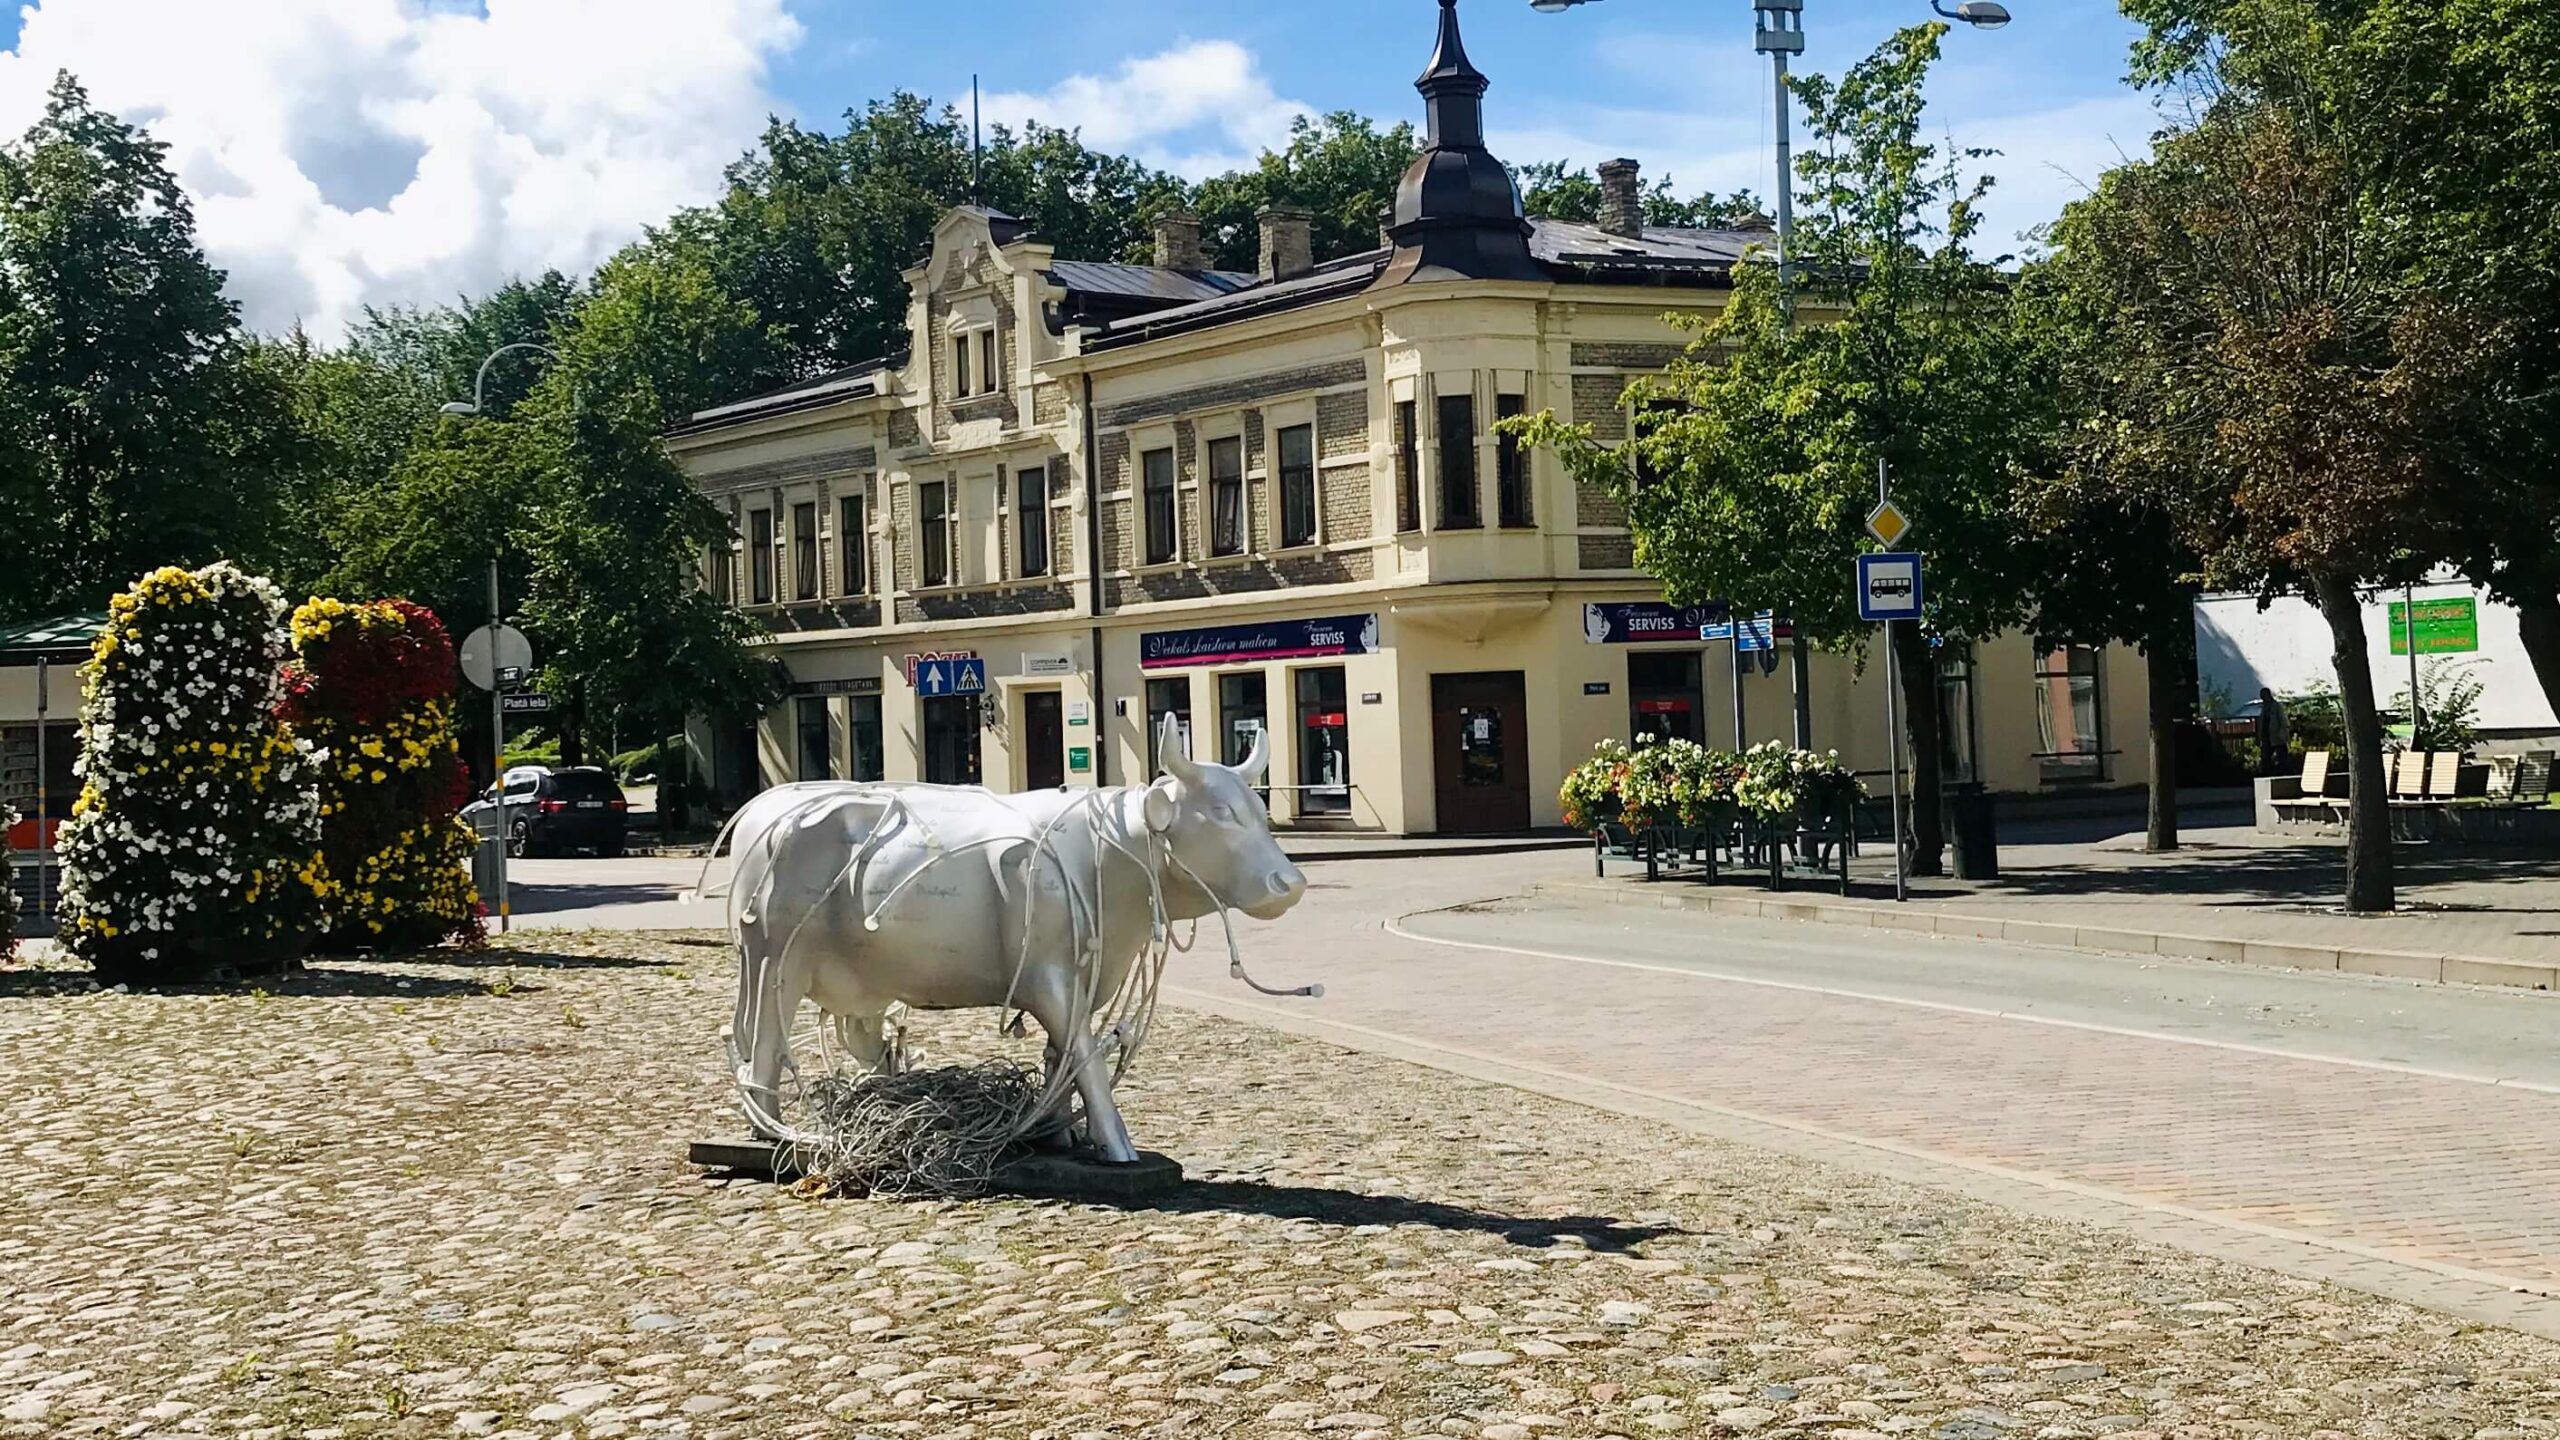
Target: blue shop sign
[
  {"x": 1271, "y": 640},
  {"x": 1639, "y": 621}
]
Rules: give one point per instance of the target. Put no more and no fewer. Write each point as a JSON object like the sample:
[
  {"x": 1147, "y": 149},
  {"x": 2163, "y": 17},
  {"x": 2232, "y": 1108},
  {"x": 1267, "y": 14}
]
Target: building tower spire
[{"x": 1457, "y": 213}]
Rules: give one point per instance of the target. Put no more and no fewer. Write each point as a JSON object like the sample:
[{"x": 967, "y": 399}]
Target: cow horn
[
  {"x": 1259, "y": 759},
  {"x": 1170, "y": 752}
]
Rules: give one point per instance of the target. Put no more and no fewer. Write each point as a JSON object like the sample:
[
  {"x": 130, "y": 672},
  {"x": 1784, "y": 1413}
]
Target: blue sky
[
  {"x": 1671, "y": 82},
  {"x": 344, "y": 153}
]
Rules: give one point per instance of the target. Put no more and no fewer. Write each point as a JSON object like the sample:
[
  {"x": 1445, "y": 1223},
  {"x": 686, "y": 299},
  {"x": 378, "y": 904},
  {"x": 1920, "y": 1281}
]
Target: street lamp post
[
  {"x": 1778, "y": 32},
  {"x": 497, "y": 693}
]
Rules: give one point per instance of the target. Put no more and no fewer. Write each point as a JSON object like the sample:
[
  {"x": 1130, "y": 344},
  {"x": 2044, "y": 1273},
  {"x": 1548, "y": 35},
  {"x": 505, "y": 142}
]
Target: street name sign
[
  {"x": 524, "y": 704},
  {"x": 1889, "y": 587}
]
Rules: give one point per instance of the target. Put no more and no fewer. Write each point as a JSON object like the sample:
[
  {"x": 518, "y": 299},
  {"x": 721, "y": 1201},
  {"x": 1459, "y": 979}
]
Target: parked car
[{"x": 552, "y": 812}]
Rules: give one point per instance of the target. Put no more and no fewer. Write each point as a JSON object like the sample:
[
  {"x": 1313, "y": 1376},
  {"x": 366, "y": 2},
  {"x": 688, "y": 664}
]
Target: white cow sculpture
[{"x": 1058, "y": 904}]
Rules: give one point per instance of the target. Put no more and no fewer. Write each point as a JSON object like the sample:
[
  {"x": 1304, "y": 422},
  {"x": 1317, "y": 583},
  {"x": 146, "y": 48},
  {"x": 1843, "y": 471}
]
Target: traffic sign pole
[
  {"x": 1741, "y": 737},
  {"x": 1893, "y": 692},
  {"x": 498, "y": 755},
  {"x": 2409, "y": 620}
]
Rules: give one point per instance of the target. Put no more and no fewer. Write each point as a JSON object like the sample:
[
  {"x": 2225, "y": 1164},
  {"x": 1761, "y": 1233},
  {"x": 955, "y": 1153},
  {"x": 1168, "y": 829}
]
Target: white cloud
[
  {"x": 346, "y": 152},
  {"x": 1199, "y": 108}
]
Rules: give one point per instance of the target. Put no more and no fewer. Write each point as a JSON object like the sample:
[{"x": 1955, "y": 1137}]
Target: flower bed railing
[{"x": 1679, "y": 805}]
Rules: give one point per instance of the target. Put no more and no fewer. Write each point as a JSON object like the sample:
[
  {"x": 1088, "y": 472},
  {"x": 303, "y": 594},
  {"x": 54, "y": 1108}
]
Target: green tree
[
  {"x": 2283, "y": 383},
  {"x": 2450, "y": 106},
  {"x": 1341, "y": 169},
  {"x": 1755, "y": 459},
  {"x": 136, "y": 431}
]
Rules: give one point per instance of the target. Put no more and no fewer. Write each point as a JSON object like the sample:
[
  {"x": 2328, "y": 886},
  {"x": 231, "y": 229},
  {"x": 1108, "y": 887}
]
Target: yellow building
[{"x": 1109, "y": 493}]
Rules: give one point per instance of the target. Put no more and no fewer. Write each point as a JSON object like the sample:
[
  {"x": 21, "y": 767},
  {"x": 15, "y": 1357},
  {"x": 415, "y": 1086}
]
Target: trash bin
[
  {"x": 1977, "y": 833},
  {"x": 485, "y": 860}
]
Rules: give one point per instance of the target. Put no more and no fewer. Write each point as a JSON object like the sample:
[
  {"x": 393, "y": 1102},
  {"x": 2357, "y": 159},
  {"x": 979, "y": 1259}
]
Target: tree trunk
[
  {"x": 2539, "y": 620},
  {"x": 573, "y": 727},
  {"x": 2161, "y": 665},
  {"x": 1927, "y": 837},
  {"x": 2369, "y": 887}
]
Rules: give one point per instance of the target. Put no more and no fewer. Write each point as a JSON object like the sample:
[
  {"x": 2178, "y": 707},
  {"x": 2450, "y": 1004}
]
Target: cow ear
[{"x": 1161, "y": 806}]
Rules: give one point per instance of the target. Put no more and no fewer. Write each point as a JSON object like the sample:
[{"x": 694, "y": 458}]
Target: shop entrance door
[
  {"x": 1480, "y": 752},
  {"x": 1044, "y": 740},
  {"x": 951, "y": 740}
]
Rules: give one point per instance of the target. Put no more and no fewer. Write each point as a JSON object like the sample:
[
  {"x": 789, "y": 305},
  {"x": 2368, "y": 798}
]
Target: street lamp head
[
  {"x": 1555, "y": 7},
  {"x": 459, "y": 407},
  {"x": 1980, "y": 14}
]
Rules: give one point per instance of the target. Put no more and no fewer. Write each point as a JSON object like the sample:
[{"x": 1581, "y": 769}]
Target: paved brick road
[{"x": 2441, "y": 1174}]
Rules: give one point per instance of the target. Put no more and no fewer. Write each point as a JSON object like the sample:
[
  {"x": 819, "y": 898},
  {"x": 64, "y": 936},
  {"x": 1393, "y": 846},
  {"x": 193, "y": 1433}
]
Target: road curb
[{"x": 2112, "y": 940}]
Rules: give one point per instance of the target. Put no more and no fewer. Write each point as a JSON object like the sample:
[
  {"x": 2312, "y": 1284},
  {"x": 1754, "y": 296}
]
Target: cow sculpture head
[{"x": 1216, "y": 825}]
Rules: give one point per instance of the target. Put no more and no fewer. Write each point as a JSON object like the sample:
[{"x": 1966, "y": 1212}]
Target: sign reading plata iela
[
  {"x": 2445, "y": 627},
  {"x": 1270, "y": 640}
]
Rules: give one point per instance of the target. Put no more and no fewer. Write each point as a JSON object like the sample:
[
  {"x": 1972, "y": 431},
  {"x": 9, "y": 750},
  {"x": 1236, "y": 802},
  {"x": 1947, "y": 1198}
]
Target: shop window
[
  {"x": 868, "y": 756},
  {"x": 760, "y": 555},
  {"x": 1298, "y": 485},
  {"x": 1031, "y": 519},
  {"x": 1324, "y": 742},
  {"x": 804, "y": 551},
  {"x": 1243, "y": 712},
  {"x": 1226, "y": 497},
  {"x": 1165, "y": 697},
  {"x": 817, "y": 757},
  {"x": 853, "y": 541},
  {"x": 2067, "y": 715},
  {"x": 1511, "y": 467},
  {"x": 1461, "y": 507},
  {"x": 1408, "y": 468},
  {"x": 1158, "y": 478},
  {"x": 933, "y": 531},
  {"x": 1665, "y": 698}
]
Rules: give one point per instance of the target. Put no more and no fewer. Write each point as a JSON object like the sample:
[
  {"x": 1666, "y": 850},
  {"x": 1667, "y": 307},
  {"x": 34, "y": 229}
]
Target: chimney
[
  {"x": 1621, "y": 199},
  {"x": 1178, "y": 241},
  {"x": 1288, "y": 242}
]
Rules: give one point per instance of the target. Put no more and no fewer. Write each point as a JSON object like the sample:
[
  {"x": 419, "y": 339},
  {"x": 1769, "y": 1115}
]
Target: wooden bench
[
  {"x": 2316, "y": 802},
  {"x": 2520, "y": 780}
]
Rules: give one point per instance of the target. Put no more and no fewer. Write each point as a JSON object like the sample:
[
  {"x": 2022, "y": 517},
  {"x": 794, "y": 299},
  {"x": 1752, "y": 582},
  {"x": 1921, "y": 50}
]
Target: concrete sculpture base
[{"x": 1071, "y": 1175}]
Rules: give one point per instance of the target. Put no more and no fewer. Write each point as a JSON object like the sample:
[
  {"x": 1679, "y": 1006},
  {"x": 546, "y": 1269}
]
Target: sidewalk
[{"x": 2229, "y": 893}]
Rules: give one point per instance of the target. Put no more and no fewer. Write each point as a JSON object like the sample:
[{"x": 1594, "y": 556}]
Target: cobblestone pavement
[{"x": 430, "y": 1199}]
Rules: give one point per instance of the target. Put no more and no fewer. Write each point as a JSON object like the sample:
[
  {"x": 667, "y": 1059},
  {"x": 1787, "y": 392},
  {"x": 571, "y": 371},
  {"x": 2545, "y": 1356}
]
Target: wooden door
[{"x": 1480, "y": 752}]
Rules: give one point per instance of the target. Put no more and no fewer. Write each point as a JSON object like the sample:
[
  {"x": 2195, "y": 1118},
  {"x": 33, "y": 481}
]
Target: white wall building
[{"x": 2285, "y": 647}]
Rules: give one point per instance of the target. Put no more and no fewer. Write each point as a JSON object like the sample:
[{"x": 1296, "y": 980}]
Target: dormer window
[
  {"x": 990, "y": 375},
  {"x": 977, "y": 361},
  {"x": 960, "y": 368}
]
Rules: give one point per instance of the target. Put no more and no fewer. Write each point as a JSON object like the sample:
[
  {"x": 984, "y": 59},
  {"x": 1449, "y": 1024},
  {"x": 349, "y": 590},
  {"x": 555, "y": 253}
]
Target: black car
[{"x": 553, "y": 812}]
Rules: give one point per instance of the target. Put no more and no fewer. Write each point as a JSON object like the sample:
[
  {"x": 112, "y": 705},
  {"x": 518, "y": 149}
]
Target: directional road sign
[
  {"x": 489, "y": 652},
  {"x": 1757, "y": 633},
  {"x": 951, "y": 677},
  {"x": 1889, "y": 587}
]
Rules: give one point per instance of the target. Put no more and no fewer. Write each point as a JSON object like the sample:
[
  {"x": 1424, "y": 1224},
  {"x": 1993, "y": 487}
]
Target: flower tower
[
  {"x": 372, "y": 686},
  {"x": 192, "y": 844}
]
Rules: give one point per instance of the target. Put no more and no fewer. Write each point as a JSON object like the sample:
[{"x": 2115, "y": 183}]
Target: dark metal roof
[
  {"x": 1576, "y": 243},
  {"x": 854, "y": 382},
  {"x": 1339, "y": 277},
  {"x": 1145, "y": 282}
]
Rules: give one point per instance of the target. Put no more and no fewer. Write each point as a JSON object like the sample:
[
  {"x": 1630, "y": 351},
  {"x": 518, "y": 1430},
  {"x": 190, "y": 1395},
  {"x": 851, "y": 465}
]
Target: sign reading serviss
[
  {"x": 1637, "y": 622},
  {"x": 1270, "y": 640}
]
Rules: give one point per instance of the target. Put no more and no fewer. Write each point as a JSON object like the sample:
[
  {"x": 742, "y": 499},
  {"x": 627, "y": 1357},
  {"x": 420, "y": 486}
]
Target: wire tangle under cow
[{"x": 944, "y": 1130}]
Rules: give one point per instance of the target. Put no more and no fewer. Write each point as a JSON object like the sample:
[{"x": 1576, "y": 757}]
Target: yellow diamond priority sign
[{"x": 1888, "y": 524}]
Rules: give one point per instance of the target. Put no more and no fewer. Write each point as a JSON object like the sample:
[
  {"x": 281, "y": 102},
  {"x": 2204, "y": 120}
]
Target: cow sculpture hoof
[{"x": 1084, "y": 1175}]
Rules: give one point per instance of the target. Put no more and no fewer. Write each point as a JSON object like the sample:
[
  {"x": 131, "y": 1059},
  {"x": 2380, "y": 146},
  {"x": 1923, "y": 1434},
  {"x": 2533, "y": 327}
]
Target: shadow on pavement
[
  {"x": 1348, "y": 1208},
  {"x": 539, "y": 899}
]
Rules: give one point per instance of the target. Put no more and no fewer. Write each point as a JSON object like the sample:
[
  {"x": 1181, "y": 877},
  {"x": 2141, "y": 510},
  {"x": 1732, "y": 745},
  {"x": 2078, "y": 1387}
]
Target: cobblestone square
[{"x": 450, "y": 1198}]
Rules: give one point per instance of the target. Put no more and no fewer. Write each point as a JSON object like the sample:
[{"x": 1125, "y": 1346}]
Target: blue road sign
[
  {"x": 968, "y": 677},
  {"x": 1889, "y": 587},
  {"x": 933, "y": 677},
  {"x": 1757, "y": 633}
]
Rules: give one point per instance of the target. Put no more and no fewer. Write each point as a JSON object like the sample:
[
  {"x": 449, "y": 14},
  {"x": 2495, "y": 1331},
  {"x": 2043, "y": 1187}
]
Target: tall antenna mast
[{"x": 977, "y": 148}]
